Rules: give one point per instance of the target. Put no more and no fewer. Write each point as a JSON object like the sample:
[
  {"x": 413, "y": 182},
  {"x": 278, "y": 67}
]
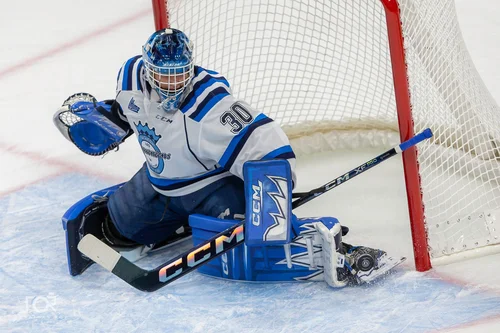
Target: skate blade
[{"x": 386, "y": 264}]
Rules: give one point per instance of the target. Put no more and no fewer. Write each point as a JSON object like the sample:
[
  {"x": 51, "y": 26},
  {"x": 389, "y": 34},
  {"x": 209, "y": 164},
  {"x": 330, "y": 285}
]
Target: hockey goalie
[{"x": 211, "y": 161}]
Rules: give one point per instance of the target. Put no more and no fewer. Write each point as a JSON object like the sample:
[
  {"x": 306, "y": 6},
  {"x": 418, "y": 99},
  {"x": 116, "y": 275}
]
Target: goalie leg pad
[
  {"x": 88, "y": 208},
  {"x": 268, "y": 193},
  {"x": 333, "y": 260},
  {"x": 271, "y": 262},
  {"x": 91, "y": 215}
]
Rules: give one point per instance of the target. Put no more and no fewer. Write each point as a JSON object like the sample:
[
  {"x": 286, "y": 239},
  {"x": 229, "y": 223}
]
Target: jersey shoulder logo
[
  {"x": 148, "y": 141},
  {"x": 132, "y": 106}
]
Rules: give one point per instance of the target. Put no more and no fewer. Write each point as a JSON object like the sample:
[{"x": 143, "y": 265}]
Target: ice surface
[
  {"x": 47, "y": 57},
  {"x": 38, "y": 294}
]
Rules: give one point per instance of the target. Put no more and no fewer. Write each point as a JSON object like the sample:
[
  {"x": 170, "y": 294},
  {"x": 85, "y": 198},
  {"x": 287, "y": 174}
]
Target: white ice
[{"x": 54, "y": 48}]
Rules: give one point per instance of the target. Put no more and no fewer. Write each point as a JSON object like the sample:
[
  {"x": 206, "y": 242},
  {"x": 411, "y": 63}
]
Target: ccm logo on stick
[{"x": 201, "y": 254}]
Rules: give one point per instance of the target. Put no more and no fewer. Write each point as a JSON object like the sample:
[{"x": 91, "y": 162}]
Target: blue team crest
[
  {"x": 132, "y": 106},
  {"x": 148, "y": 139}
]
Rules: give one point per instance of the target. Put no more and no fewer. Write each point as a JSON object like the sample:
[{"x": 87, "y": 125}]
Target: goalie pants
[{"x": 147, "y": 217}]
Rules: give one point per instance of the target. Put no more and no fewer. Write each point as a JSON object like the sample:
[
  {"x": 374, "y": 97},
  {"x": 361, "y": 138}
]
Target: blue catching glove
[{"x": 89, "y": 124}]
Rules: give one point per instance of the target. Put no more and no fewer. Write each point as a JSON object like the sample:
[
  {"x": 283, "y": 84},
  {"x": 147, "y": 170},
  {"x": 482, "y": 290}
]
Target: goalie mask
[{"x": 168, "y": 60}]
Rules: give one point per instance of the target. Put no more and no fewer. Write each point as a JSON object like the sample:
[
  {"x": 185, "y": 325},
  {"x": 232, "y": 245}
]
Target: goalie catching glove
[{"x": 91, "y": 125}]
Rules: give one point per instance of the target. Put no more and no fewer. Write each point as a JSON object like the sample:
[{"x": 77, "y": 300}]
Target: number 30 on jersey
[{"x": 236, "y": 118}]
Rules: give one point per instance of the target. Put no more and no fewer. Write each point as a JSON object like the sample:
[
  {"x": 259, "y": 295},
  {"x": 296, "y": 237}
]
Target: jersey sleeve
[
  {"x": 130, "y": 85},
  {"x": 233, "y": 133}
]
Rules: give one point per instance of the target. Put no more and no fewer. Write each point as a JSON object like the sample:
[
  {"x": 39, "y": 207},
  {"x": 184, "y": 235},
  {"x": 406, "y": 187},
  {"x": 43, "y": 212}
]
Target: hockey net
[{"x": 350, "y": 74}]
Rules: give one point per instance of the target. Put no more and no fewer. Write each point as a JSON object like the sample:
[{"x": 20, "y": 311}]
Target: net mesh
[
  {"x": 459, "y": 169},
  {"x": 322, "y": 69}
]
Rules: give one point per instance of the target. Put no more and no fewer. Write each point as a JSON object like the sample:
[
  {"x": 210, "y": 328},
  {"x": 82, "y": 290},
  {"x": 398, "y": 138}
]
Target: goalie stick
[
  {"x": 156, "y": 278},
  {"x": 307, "y": 196}
]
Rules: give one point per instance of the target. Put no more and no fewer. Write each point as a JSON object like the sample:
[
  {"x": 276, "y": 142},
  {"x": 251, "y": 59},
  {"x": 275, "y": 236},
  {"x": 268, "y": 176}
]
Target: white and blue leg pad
[
  {"x": 268, "y": 194},
  {"x": 310, "y": 256},
  {"x": 269, "y": 253}
]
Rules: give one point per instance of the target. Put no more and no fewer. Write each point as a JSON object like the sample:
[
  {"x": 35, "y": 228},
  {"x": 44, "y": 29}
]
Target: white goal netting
[{"x": 323, "y": 70}]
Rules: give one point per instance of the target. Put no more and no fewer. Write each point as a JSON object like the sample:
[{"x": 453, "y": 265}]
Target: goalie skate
[
  {"x": 366, "y": 265},
  {"x": 385, "y": 265},
  {"x": 344, "y": 264}
]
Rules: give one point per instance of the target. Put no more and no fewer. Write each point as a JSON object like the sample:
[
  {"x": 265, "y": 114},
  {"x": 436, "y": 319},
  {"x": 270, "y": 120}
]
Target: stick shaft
[{"x": 362, "y": 168}]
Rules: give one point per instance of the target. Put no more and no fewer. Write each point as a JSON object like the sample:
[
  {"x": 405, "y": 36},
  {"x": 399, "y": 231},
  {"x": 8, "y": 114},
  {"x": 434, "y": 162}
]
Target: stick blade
[{"x": 99, "y": 252}]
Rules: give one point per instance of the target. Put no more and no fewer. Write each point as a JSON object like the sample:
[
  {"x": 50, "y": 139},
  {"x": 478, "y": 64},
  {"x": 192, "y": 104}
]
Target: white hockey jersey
[{"x": 210, "y": 137}]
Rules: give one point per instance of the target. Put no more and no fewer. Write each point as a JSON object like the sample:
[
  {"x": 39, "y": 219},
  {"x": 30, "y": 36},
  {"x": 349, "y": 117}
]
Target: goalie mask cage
[{"x": 337, "y": 73}]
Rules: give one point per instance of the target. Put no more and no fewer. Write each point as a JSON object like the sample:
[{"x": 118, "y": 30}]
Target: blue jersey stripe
[
  {"x": 198, "y": 89},
  {"x": 239, "y": 141},
  {"x": 119, "y": 72},
  {"x": 208, "y": 103},
  {"x": 211, "y": 72},
  {"x": 139, "y": 69},
  {"x": 127, "y": 73},
  {"x": 169, "y": 185},
  {"x": 285, "y": 156},
  {"x": 197, "y": 70},
  {"x": 284, "y": 152}
]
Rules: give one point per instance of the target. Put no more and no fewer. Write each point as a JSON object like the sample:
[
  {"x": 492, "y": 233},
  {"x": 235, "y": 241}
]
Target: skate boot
[{"x": 365, "y": 264}]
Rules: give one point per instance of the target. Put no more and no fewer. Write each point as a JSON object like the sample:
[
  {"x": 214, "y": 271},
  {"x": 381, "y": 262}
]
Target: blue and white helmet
[{"x": 168, "y": 60}]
